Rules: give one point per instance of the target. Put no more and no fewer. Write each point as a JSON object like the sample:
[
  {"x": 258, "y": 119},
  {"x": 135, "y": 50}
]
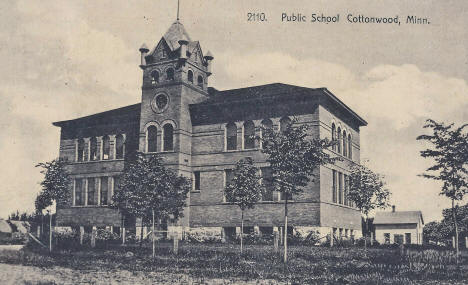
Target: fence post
[
  {"x": 81, "y": 235},
  {"x": 371, "y": 238},
  {"x": 175, "y": 236},
  {"x": 331, "y": 237},
  {"x": 93, "y": 237},
  {"x": 453, "y": 242},
  {"x": 276, "y": 241},
  {"x": 466, "y": 242},
  {"x": 38, "y": 231}
]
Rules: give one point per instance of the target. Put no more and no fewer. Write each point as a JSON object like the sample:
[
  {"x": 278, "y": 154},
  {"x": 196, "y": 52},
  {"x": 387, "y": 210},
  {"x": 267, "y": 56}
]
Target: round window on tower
[{"x": 160, "y": 102}]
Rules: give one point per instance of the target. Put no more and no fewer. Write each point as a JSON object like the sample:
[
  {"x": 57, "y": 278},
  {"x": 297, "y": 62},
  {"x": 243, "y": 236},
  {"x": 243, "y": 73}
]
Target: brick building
[{"x": 202, "y": 132}]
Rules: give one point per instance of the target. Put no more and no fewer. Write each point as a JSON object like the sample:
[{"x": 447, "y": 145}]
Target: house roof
[
  {"x": 398, "y": 217},
  {"x": 22, "y": 226},
  {"x": 5, "y": 227},
  {"x": 175, "y": 33}
]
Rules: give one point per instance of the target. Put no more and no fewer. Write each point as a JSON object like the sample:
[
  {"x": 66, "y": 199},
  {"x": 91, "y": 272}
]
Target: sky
[{"x": 65, "y": 59}]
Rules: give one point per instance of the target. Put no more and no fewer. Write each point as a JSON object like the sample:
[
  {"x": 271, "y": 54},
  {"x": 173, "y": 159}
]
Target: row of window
[
  {"x": 398, "y": 238},
  {"x": 343, "y": 233},
  {"x": 155, "y": 77},
  {"x": 97, "y": 151},
  {"x": 340, "y": 188},
  {"x": 93, "y": 190},
  {"x": 248, "y": 133},
  {"x": 167, "y": 138},
  {"x": 344, "y": 145}
]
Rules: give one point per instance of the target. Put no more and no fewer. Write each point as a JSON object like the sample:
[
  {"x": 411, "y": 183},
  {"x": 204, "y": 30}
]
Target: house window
[
  {"x": 190, "y": 76},
  {"x": 93, "y": 154},
  {"x": 228, "y": 176},
  {"x": 104, "y": 190},
  {"x": 267, "y": 177},
  {"x": 340, "y": 188},
  {"x": 91, "y": 191},
  {"x": 334, "y": 135},
  {"x": 408, "y": 238},
  {"x": 267, "y": 126},
  {"x": 335, "y": 188},
  {"x": 249, "y": 135},
  {"x": 350, "y": 147},
  {"x": 105, "y": 147},
  {"x": 345, "y": 194},
  {"x": 168, "y": 137},
  {"x": 81, "y": 147},
  {"x": 266, "y": 230},
  {"x": 346, "y": 233},
  {"x": 284, "y": 124},
  {"x": 345, "y": 144},
  {"x": 200, "y": 81},
  {"x": 339, "y": 138},
  {"x": 231, "y": 136},
  {"x": 284, "y": 196},
  {"x": 119, "y": 146},
  {"x": 170, "y": 74},
  {"x": 151, "y": 138},
  {"x": 79, "y": 192},
  {"x": 196, "y": 180},
  {"x": 398, "y": 239},
  {"x": 387, "y": 238},
  {"x": 154, "y": 77}
]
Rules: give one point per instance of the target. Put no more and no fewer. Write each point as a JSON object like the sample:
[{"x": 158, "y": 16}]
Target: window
[
  {"x": 335, "y": 188},
  {"x": 104, "y": 190},
  {"x": 91, "y": 191},
  {"x": 408, "y": 238},
  {"x": 267, "y": 183},
  {"x": 350, "y": 147},
  {"x": 398, "y": 239},
  {"x": 231, "y": 136},
  {"x": 334, "y": 135},
  {"x": 345, "y": 194},
  {"x": 267, "y": 126},
  {"x": 196, "y": 180},
  {"x": 119, "y": 146},
  {"x": 266, "y": 230},
  {"x": 249, "y": 135},
  {"x": 79, "y": 192},
  {"x": 200, "y": 81},
  {"x": 387, "y": 238},
  {"x": 345, "y": 144},
  {"x": 151, "y": 137},
  {"x": 154, "y": 77},
  {"x": 94, "y": 154},
  {"x": 228, "y": 176},
  {"x": 284, "y": 124},
  {"x": 168, "y": 137},
  {"x": 81, "y": 147},
  {"x": 346, "y": 233},
  {"x": 105, "y": 147},
  {"x": 284, "y": 196},
  {"x": 339, "y": 140},
  {"x": 340, "y": 188},
  {"x": 190, "y": 76},
  {"x": 340, "y": 233},
  {"x": 170, "y": 74}
]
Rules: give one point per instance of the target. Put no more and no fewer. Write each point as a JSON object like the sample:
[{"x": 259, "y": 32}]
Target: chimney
[{"x": 393, "y": 208}]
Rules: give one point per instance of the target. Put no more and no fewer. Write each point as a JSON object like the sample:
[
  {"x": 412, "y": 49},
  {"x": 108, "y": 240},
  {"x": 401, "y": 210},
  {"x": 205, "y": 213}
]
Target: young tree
[
  {"x": 245, "y": 189},
  {"x": 148, "y": 189},
  {"x": 367, "y": 191},
  {"x": 293, "y": 156},
  {"x": 55, "y": 188},
  {"x": 450, "y": 152}
]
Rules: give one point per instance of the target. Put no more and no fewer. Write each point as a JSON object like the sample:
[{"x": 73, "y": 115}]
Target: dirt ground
[{"x": 28, "y": 275}]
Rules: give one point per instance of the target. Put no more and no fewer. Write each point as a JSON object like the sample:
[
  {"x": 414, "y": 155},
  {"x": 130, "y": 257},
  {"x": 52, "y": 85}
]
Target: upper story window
[
  {"x": 267, "y": 126},
  {"x": 249, "y": 135},
  {"x": 119, "y": 146},
  {"x": 200, "y": 81},
  {"x": 334, "y": 187},
  {"x": 79, "y": 192},
  {"x": 228, "y": 176},
  {"x": 267, "y": 183},
  {"x": 154, "y": 77},
  {"x": 196, "y": 180},
  {"x": 284, "y": 124},
  {"x": 105, "y": 147},
  {"x": 334, "y": 135},
  {"x": 190, "y": 76},
  {"x": 339, "y": 138},
  {"x": 80, "y": 149},
  {"x": 231, "y": 136},
  {"x": 151, "y": 138},
  {"x": 170, "y": 74},
  {"x": 350, "y": 147},
  {"x": 168, "y": 137},
  {"x": 93, "y": 149},
  {"x": 345, "y": 144}
]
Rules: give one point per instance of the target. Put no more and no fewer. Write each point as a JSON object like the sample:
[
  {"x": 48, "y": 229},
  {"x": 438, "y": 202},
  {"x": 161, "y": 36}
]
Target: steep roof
[
  {"x": 175, "y": 33},
  {"x": 398, "y": 217},
  {"x": 5, "y": 227},
  {"x": 21, "y": 226}
]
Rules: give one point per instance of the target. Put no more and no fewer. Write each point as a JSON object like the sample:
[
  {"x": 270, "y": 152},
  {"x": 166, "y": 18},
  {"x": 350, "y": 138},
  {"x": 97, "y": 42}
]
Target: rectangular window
[
  {"x": 387, "y": 238},
  {"x": 283, "y": 196},
  {"x": 345, "y": 199},
  {"x": 91, "y": 191},
  {"x": 334, "y": 187},
  {"x": 267, "y": 176},
  {"x": 408, "y": 238},
  {"x": 196, "y": 180},
  {"x": 228, "y": 176},
  {"x": 104, "y": 190},
  {"x": 340, "y": 188},
  {"x": 79, "y": 192},
  {"x": 398, "y": 239}
]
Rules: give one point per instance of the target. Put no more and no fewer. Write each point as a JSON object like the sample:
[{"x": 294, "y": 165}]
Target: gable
[
  {"x": 196, "y": 55},
  {"x": 161, "y": 51}
]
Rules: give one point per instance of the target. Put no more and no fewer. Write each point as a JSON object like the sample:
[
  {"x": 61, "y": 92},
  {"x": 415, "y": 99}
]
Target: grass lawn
[{"x": 221, "y": 264}]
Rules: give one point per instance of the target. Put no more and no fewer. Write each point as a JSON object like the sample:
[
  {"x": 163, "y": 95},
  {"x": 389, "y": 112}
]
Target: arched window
[
  {"x": 119, "y": 146},
  {"x": 334, "y": 135},
  {"x": 80, "y": 149},
  {"x": 339, "y": 140},
  {"x": 170, "y": 74},
  {"x": 350, "y": 147},
  {"x": 231, "y": 136},
  {"x": 249, "y": 135},
  {"x": 190, "y": 76},
  {"x": 200, "y": 81},
  {"x": 345, "y": 144},
  {"x": 168, "y": 137},
  {"x": 267, "y": 126},
  {"x": 93, "y": 149},
  {"x": 284, "y": 124},
  {"x": 154, "y": 77},
  {"x": 151, "y": 137},
  {"x": 105, "y": 147}
]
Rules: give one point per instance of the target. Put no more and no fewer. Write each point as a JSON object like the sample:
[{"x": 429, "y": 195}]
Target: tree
[
  {"x": 367, "y": 191},
  {"x": 293, "y": 157},
  {"x": 55, "y": 188},
  {"x": 148, "y": 189},
  {"x": 245, "y": 189},
  {"x": 450, "y": 153}
]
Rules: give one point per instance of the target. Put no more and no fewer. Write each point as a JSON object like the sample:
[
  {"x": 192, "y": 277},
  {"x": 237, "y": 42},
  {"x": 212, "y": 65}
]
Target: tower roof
[{"x": 175, "y": 33}]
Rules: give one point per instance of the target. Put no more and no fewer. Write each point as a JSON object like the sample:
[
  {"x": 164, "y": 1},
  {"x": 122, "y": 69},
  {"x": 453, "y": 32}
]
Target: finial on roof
[
  {"x": 144, "y": 48},
  {"x": 178, "y": 2},
  {"x": 209, "y": 56}
]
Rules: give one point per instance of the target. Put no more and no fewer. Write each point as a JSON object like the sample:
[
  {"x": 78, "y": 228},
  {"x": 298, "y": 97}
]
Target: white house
[{"x": 399, "y": 227}]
